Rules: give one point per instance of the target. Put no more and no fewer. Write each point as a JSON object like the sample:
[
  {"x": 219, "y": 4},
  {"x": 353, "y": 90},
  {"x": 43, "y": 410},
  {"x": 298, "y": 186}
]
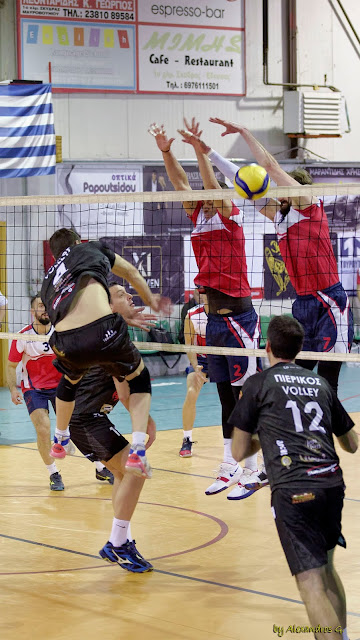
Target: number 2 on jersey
[{"x": 309, "y": 408}]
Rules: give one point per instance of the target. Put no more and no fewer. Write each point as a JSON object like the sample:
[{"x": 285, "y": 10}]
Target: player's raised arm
[
  {"x": 264, "y": 158},
  {"x": 191, "y": 135},
  {"x": 174, "y": 170}
]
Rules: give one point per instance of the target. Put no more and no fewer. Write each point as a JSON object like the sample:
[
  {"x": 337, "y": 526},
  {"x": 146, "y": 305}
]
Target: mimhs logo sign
[{"x": 350, "y": 247}]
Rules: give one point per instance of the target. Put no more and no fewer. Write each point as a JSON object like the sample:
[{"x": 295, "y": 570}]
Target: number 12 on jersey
[{"x": 309, "y": 408}]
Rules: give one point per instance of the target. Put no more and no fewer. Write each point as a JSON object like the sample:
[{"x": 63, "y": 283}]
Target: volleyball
[{"x": 251, "y": 181}]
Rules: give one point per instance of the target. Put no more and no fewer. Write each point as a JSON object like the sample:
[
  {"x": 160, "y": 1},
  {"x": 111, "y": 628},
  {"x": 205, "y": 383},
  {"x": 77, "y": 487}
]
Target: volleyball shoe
[{"x": 127, "y": 556}]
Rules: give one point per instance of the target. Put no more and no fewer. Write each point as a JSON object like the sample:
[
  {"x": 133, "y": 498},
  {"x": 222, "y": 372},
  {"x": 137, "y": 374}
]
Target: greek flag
[{"x": 27, "y": 135}]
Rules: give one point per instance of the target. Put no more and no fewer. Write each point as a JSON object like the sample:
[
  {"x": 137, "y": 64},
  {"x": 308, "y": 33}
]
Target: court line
[{"x": 166, "y": 573}]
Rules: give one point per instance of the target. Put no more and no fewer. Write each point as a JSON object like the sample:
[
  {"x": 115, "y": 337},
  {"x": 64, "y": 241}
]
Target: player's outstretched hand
[
  {"x": 16, "y": 397},
  {"x": 230, "y": 127},
  {"x": 142, "y": 320},
  {"x": 161, "y": 304},
  {"x": 151, "y": 431},
  {"x": 159, "y": 133}
]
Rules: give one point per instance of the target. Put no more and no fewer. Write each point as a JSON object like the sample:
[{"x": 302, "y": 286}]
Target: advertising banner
[
  {"x": 133, "y": 46},
  {"x": 348, "y": 261},
  {"x": 94, "y": 220},
  {"x": 343, "y": 212},
  {"x": 168, "y": 217},
  {"x": 160, "y": 260}
]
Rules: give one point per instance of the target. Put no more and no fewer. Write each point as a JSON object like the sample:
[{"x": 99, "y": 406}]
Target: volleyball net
[{"x": 153, "y": 232}]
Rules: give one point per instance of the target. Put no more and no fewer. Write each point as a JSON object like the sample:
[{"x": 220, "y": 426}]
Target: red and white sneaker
[
  {"x": 57, "y": 450},
  {"x": 228, "y": 475},
  {"x": 137, "y": 462}
]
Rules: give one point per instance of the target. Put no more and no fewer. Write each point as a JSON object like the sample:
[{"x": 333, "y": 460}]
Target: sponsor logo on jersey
[
  {"x": 313, "y": 444},
  {"x": 302, "y": 497},
  {"x": 283, "y": 449},
  {"x": 58, "y": 352},
  {"x": 286, "y": 461}
]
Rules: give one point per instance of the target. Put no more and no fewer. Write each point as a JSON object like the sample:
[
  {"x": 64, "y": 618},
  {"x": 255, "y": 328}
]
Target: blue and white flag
[{"x": 27, "y": 135}]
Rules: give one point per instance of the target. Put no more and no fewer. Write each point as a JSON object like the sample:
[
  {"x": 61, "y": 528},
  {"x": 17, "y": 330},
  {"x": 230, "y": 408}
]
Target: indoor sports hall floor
[{"x": 219, "y": 570}]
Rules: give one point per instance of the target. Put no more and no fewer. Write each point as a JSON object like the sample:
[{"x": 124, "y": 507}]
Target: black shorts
[
  {"x": 309, "y": 525},
  {"x": 96, "y": 436},
  {"x": 105, "y": 342}
]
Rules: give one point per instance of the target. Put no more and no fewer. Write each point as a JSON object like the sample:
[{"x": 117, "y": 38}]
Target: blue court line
[{"x": 174, "y": 575}]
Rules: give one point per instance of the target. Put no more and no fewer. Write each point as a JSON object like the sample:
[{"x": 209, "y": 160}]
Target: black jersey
[
  {"x": 63, "y": 279},
  {"x": 96, "y": 393},
  {"x": 294, "y": 412}
]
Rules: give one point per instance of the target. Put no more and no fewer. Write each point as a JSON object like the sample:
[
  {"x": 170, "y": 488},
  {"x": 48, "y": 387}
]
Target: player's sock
[
  {"x": 99, "y": 465},
  {"x": 119, "y": 532},
  {"x": 129, "y": 536},
  {"x": 62, "y": 436},
  {"x": 52, "y": 468},
  {"x": 345, "y": 635},
  {"x": 251, "y": 462},
  {"x": 188, "y": 434},
  {"x": 227, "y": 451},
  {"x": 138, "y": 437}
]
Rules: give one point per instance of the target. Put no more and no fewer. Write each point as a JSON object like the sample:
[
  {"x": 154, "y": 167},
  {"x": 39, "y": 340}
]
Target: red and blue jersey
[
  {"x": 38, "y": 371},
  {"x": 219, "y": 249},
  {"x": 305, "y": 245}
]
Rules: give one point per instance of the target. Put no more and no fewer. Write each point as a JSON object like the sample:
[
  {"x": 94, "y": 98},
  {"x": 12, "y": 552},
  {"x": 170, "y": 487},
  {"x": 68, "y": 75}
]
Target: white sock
[
  {"x": 62, "y": 434},
  {"x": 52, "y": 468},
  {"x": 129, "y": 536},
  {"x": 345, "y": 635},
  {"x": 138, "y": 437},
  {"x": 99, "y": 465},
  {"x": 119, "y": 532},
  {"x": 227, "y": 451},
  {"x": 188, "y": 434},
  {"x": 251, "y": 462}
]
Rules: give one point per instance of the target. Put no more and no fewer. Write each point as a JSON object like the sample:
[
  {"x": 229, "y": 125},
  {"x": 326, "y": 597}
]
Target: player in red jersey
[
  {"x": 39, "y": 381},
  {"x": 197, "y": 374},
  {"x": 219, "y": 246},
  {"x": 322, "y": 305}
]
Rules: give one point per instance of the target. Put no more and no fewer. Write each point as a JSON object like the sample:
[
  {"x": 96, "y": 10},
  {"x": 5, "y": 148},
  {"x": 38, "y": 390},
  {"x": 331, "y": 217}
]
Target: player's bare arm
[
  {"x": 350, "y": 441},
  {"x": 124, "y": 269},
  {"x": 16, "y": 395},
  {"x": 266, "y": 160},
  {"x": 174, "y": 170},
  {"x": 244, "y": 444},
  {"x": 191, "y": 135}
]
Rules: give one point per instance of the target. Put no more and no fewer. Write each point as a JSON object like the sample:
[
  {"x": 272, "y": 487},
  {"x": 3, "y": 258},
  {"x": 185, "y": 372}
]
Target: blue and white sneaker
[
  {"x": 227, "y": 475},
  {"x": 249, "y": 482},
  {"x": 127, "y": 556}
]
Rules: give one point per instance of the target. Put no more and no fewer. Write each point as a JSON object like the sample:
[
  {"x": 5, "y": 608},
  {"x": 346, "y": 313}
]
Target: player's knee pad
[
  {"x": 66, "y": 391},
  {"x": 141, "y": 383}
]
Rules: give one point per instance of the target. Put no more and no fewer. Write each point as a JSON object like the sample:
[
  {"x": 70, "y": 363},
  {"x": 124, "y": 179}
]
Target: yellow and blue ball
[{"x": 251, "y": 182}]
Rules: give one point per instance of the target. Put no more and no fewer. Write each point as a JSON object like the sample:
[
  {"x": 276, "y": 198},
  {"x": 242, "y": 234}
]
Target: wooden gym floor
[{"x": 219, "y": 569}]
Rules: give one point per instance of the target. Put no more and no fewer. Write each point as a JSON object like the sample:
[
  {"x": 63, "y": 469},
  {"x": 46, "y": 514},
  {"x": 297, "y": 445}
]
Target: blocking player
[
  {"x": 219, "y": 246},
  {"x": 99, "y": 439},
  {"x": 87, "y": 333},
  {"x": 194, "y": 334},
  {"x": 39, "y": 380},
  {"x": 322, "y": 305},
  {"x": 293, "y": 415}
]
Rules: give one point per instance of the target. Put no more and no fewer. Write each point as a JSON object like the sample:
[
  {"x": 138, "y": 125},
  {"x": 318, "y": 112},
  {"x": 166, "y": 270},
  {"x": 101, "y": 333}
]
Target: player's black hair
[
  {"x": 286, "y": 336},
  {"x": 35, "y": 297},
  {"x": 222, "y": 185},
  {"x": 61, "y": 239}
]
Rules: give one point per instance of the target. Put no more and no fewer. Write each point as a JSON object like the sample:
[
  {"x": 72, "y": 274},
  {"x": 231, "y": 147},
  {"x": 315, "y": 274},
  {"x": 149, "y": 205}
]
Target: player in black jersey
[
  {"x": 87, "y": 333},
  {"x": 292, "y": 414},
  {"x": 99, "y": 439}
]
